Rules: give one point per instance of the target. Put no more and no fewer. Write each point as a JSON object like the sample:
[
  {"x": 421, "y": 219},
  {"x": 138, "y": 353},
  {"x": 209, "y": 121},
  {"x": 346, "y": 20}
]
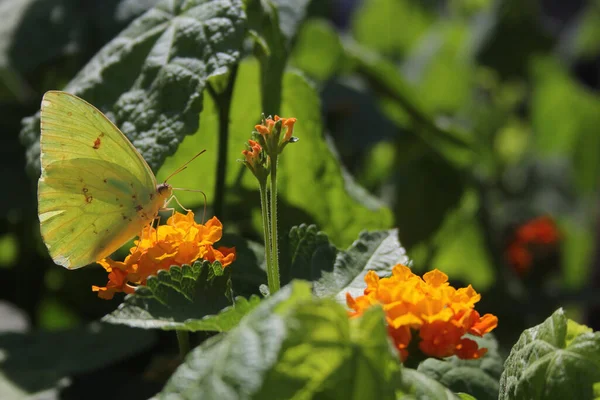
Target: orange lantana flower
[
  {"x": 428, "y": 310},
  {"x": 180, "y": 241}
]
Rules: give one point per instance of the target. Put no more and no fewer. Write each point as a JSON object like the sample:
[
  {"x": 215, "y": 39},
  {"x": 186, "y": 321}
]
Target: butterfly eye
[{"x": 162, "y": 188}]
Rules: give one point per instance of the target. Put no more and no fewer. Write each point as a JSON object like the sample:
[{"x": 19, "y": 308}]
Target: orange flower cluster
[
  {"x": 274, "y": 134},
  {"x": 180, "y": 241},
  {"x": 287, "y": 125},
  {"x": 440, "y": 314},
  {"x": 539, "y": 232}
]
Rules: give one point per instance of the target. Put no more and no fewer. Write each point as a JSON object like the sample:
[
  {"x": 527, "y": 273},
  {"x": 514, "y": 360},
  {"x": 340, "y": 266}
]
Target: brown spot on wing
[
  {"x": 138, "y": 207},
  {"x": 88, "y": 197},
  {"x": 96, "y": 145}
]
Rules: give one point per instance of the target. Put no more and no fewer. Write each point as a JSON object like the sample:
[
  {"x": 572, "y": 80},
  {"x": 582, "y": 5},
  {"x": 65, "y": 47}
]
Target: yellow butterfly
[{"x": 96, "y": 191}]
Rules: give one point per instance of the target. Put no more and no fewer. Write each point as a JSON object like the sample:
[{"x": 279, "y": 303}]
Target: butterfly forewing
[{"x": 95, "y": 191}]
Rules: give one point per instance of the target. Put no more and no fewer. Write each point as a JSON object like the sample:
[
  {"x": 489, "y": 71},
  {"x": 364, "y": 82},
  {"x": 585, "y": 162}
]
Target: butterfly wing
[{"x": 95, "y": 191}]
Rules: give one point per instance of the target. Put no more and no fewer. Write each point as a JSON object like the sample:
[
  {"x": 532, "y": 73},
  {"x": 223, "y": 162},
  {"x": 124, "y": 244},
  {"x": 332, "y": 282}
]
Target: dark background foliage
[{"x": 465, "y": 118}]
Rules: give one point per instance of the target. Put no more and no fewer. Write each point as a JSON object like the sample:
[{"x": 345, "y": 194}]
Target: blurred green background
[{"x": 467, "y": 118}]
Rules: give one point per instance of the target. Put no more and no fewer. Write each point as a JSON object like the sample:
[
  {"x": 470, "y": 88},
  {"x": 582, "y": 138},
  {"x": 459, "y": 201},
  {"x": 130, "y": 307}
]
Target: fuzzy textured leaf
[
  {"x": 174, "y": 298},
  {"x": 326, "y": 355},
  {"x": 293, "y": 346},
  {"x": 306, "y": 253},
  {"x": 233, "y": 366},
  {"x": 149, "y": 79},
  {"x": 378, "y": 251},
  {"x": 551, "y": 362},
  {"x": 225, "y": 320}
]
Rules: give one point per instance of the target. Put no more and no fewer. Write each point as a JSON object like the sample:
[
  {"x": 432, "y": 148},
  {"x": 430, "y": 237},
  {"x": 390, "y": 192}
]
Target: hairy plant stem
[
  {"x": 223, "y": 102},
  {"x": 183, "y": 340},
  {"x": 264, "y": 209},
  {"x": 274, "y": 242}
]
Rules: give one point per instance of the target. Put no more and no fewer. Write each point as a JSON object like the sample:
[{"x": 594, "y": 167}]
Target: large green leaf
[
  {"x": 311, "y": 177},
  {"x": 175, "y": 297},
  {"x": 150, "y": 78},
  {"x": 326, "y": 355},
  {"x": 479, "y": 378},
  {"x": 551, "y": 362},
  {"x": 234, "y": 366},
  {"x": 32, "y": 362},
  {"x": 43, "y": 42},
  {"x": 292, "y": 346}
]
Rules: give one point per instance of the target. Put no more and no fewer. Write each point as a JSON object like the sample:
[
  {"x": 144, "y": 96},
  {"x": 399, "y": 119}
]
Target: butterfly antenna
[
  {"x": 197, "y": 191},
  {"x": 184, "y": 166}
]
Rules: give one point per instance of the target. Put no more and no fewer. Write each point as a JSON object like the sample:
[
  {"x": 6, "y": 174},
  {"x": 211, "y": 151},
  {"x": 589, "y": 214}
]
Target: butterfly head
[{"x": 164, "y": 191}]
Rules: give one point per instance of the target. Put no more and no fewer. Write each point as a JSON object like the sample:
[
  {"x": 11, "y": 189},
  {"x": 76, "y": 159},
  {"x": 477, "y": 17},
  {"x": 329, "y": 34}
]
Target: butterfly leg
[{"x": 173, "y": 197}]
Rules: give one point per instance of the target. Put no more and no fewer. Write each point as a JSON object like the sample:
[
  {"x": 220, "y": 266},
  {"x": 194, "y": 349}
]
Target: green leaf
[
  {"x": 330, "y": 203},
  {"x": 226, "y": 319},
  {"x": 150, "y": 78},
  {"x": 293, "y": 346},
  {"x": 30, "y": 57},
  {"x": 378, "y": 251},
  {"x": 32, "y": 362},
  {"x": 327, "y": 355},
  {"x": 390, "y": 26},
  {"x": 317, "y": 51},
  {"x": 290, "y": 15},
  {"x": 565, "y": 117},
  {"x": 305, "y": 254},
  {"x": 175, "y": 297},
  {"x": 233, "y": 366},
  {"x": 416, "y": 385},
  {"x": 479, "y": 378},
  {"x": 542, "y": 365}
]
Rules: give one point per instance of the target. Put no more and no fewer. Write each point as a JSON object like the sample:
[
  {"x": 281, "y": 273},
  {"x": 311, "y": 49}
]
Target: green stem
[
  {"x": 183, "y": 339},
  {"x": 223, "y": 103},
  {"x": 274, "y": 241},
  {"x": 264, "y": 209}
]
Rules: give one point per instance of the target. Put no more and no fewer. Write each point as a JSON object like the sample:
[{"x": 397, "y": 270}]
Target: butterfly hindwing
[{"x": 95, "y": 191}]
